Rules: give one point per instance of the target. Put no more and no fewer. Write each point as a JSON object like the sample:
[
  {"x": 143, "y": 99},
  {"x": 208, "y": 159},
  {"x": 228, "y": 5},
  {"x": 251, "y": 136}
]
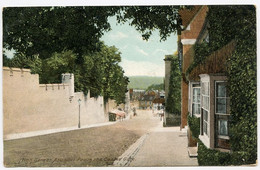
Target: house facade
[
  {"x": 192, "y": 24},
  {"x": 204, "y": 86},
  {"x": 146, "y": 100},
  {"x": 158, "y": 103}
]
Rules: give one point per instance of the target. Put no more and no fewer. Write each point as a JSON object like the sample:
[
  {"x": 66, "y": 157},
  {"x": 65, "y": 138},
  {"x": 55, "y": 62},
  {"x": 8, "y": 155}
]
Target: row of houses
[
  {"x": 204, "y": 86},
  {"x": 151, "y": 99}
]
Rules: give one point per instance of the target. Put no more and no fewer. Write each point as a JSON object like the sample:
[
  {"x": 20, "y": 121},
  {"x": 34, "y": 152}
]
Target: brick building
[
  {"x": 204, "y": 92},
  {"x": 192, "y": 24}
]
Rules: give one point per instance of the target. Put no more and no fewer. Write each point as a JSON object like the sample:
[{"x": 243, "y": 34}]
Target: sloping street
[{"x": 102, "y": 146}]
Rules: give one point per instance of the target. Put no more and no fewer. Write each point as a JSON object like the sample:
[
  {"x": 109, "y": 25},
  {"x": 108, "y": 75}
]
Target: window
[
  {"x": 205, "y": 122},
  {"x": 196, "y": 99},
  {"x": 221, "y": 98},
  {"x": 221, "y": 115},
  {"x": 205, "y": 106},
  {"x": 223, "y": 127},
  {"x": 214, "y": 121}
]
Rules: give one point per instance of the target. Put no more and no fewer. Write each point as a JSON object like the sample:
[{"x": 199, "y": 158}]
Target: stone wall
[{"x": 29, "y": 106}]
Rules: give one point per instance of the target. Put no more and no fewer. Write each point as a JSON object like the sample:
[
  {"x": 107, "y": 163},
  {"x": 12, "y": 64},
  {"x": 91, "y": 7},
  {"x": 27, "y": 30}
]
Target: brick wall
[
  {"x": 188, "y": 38},
  {"x": 195, "y": 25}
]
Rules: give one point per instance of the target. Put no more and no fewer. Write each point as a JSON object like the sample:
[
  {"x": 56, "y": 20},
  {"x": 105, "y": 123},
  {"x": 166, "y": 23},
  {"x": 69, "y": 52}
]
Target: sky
[{"x": 139, "y": 57}]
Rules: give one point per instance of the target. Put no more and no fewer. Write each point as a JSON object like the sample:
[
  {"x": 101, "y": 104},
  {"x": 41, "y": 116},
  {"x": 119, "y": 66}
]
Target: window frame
[
  {"x": 220, "y": 135},
  {"x": 221, "y": 116},
  {"x": 226, "y": 97},
  {"x": 204, "y": 108},
  {"x": 192, "y": 101}
]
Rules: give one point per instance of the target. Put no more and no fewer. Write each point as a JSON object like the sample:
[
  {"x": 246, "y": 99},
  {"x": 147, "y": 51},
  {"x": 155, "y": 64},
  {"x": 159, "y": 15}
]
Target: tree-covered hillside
[{"x": 143, "y": 82}]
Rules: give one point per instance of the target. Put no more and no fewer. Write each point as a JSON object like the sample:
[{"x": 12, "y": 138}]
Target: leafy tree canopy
[
  {"x": 45, "y": 30},
  {"x": 156, "y": 87}
]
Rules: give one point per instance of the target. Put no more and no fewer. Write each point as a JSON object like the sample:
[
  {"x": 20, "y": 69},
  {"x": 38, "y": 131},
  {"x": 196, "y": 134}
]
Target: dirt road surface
[{"x": 99, "y": 146}]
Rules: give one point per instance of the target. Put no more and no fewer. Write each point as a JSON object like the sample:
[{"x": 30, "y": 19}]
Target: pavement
[{"x": 162, "y": 146}]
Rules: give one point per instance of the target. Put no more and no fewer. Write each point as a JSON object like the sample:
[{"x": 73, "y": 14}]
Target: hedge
[
  {"x": 194, "y": 124},
  {"x": 214, "y": 157}
]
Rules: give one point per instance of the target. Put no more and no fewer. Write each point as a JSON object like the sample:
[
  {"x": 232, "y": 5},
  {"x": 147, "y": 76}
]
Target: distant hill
[{"x": 142, "y": 82}]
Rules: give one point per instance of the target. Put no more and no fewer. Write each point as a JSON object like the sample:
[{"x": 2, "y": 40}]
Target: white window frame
[
  {"x": 206, "y": 109},
  {"x": 192, "y": 101}
]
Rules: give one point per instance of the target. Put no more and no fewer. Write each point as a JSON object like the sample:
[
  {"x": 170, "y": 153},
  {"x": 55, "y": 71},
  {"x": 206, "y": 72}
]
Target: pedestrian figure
[{"x": 134, "y": 110}]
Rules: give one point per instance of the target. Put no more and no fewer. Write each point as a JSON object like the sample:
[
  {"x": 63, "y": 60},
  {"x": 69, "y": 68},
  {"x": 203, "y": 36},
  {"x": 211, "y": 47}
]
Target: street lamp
[{"x": 79, "y": 113}]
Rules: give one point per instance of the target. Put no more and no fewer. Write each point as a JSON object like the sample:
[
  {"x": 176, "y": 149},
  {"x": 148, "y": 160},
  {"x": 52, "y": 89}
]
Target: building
[
  {"x": 159, "y": 101},
  {"x": 192, "y": 24},
  {"x": 205, "y": 90},
  {"x": 146, "y": 100}
]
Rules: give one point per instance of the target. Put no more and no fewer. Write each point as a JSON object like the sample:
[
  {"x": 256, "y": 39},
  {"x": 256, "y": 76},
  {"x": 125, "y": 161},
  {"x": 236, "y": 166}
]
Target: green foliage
[
  {"x": 194, "y": 124},
  {"x": 148, "y": 18},
  {"x": 173, "y": 103},
  {"x": 6, "y": 61},
  {"x": 238, "y": 23},
  {"x": 212, "y": 157},
  {"x": 45, "y": 30},
  {"x": 156, "y": 87},
  {"x": 53, "y": 67},
  {"x": 21, "y": 61},
  {"x": 243, "y": 98},
  {"x": 201, "y": 51}
]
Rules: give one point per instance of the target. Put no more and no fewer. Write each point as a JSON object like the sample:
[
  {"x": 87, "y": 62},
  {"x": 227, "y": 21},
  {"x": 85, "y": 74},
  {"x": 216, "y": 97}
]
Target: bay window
[{"x": 214, "y": 125}]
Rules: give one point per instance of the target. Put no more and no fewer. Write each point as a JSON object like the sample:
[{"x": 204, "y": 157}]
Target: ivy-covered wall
[
  {"x": 173, "y": 103},
  {"x": 237, "y": 23},
  {"x": 243, "y": 86}
]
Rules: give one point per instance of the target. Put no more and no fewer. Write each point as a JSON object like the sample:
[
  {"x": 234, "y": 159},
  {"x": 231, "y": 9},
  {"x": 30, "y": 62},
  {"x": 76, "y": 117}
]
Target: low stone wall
[{"x": 172, "y": 120}]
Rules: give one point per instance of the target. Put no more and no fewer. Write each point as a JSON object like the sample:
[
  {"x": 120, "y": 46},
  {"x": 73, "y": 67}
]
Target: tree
[
  {"x": 45, "y": 30},
  {"x": 156, "y": 87},
  {"x": 146, "y": 19}
]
